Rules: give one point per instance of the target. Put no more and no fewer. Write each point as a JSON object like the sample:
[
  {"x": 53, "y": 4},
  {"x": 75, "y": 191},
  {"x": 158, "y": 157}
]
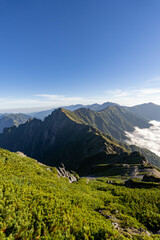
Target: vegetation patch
[{"x": 36, "y": 204}]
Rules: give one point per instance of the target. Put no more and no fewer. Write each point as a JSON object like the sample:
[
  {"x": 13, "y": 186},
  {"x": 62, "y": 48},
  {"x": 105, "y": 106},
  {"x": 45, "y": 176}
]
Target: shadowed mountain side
[
  {"x": 133, "y": 165},
  {"x": 150, "y": 156},
  {"x": 99, "y": 161},
  {"x": 60, "y": 138}
]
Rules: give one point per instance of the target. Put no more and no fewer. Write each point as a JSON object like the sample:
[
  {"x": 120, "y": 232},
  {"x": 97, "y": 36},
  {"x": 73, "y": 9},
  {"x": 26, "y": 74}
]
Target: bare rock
[{"x": 62, "y": 172}]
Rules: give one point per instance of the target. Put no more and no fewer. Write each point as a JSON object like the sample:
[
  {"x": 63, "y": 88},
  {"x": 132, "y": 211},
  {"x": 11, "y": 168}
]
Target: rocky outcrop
[{"x": 62, "y": 172}]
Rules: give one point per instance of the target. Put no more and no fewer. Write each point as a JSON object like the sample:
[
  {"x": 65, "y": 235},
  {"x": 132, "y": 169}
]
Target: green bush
[{"x": 36, "y": 204}]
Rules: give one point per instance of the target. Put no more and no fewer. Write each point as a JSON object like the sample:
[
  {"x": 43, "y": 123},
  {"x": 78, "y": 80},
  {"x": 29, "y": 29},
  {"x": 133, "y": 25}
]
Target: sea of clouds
[{"x": 146, "y": 137}]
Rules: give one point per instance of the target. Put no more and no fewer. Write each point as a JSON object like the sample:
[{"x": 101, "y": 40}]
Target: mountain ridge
[
  {"x": 66, "y": 137},
  {"x": 148, "y": 110},
  {"x": 113, "y": 120},
  {"x": 59, "y": 137}
]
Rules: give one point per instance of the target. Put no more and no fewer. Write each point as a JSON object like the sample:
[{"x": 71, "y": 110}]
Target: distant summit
[
  {"x": 95, "y": 107},
  {"x": 148, "y": 110}
]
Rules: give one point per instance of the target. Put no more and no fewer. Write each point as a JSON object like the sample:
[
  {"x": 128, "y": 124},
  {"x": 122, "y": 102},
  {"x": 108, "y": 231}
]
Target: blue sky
[{"x": 61, "y": 52}]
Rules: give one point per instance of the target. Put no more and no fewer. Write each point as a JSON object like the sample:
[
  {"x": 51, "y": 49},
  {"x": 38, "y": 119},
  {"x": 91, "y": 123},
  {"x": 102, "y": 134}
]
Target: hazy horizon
[{"x": 39, "y": 109}]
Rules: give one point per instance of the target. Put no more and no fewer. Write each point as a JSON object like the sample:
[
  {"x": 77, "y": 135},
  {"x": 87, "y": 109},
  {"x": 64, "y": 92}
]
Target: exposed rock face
[{"x": 62, "y": 172}]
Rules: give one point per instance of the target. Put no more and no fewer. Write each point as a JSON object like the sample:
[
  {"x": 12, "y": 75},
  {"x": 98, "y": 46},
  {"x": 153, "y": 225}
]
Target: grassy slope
[{"x": 36, "y": 204}]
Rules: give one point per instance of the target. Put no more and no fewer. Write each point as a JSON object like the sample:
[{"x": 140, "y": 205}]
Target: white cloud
[
  {"x": 130, "y": 97},
  {"x": 46, "y": 101},
  {"x": 61, "y": 100},
  {"x": 126, "y": 97},
  {"x": 146, "y": 138},
  {"x": 147, "y": 91}
]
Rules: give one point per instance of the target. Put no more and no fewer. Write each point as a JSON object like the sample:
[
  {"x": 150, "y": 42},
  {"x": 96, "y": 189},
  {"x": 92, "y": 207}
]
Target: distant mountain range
[
  {"x": 82, "y": 136},
  {"x": 149, "y": 110},
  {"x": 76, "y": 138},
  {"x": 8, "y": 120},
  {"x": 95, "y": 107}
]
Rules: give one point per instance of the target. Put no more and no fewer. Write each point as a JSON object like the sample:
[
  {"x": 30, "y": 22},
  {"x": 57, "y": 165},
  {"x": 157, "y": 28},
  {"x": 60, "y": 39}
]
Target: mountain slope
[
  {"x": 37, "y": 204},
  {"x": 113, "y": 120},
  {"x": 61, "y": 137},
  {"x": 65, "y": 137},
  {"x": 8, "y": 120},
  {"x": 148, "y": 110},
  {"x": 150, "y": 156}
]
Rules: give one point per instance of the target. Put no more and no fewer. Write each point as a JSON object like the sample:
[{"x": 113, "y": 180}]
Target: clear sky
[{"x": 61, "y": 52}]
